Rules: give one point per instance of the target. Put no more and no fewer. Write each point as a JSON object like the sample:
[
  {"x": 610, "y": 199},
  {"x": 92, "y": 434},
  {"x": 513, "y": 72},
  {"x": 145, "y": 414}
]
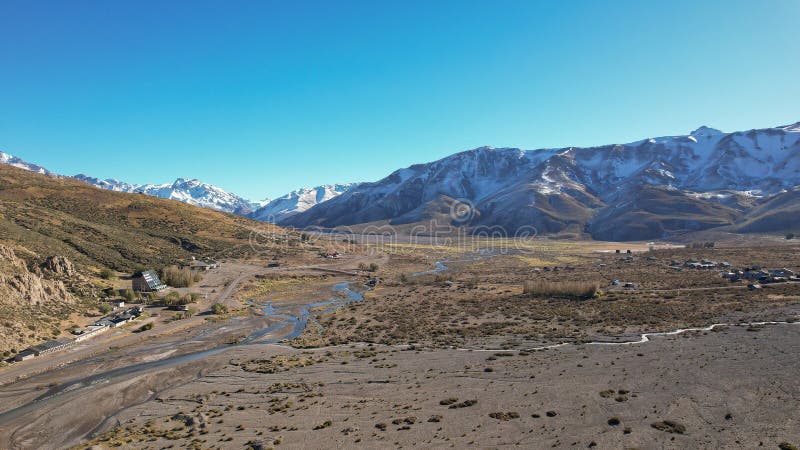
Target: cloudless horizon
[{"x": 263, "y": 97}]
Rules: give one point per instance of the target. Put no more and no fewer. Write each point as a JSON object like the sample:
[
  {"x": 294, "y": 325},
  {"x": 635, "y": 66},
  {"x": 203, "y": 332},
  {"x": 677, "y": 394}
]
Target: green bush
[{"x": 219, "y": 309}]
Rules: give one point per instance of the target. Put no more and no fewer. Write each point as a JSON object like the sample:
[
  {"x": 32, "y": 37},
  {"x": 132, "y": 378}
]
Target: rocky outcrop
[
  {"x": 24, "y": 287},
  {"x": 59, "y": 265},
  {"x": 30, "y": 299}
]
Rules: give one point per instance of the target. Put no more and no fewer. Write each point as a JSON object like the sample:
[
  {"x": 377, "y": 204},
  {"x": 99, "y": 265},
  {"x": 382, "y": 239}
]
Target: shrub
[
  {"x": 504, "y": 416},
  {"x": 106, "y": 273},
  {"x": 372, "y": 267},
  {"x": 104, "y": 308},
  {"x": 176, "y": 277},
  {"x": 790, "y": 236},
  {"x": 577, "y": 289},
  {"x": 219, "y": 309},
  {"x": 145, "y": 327},
  {"x": 189, "y": 298},
  {"x": 669, "y": 426}
]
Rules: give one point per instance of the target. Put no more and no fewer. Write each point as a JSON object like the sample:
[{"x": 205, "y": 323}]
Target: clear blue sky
[{"x": 262, "y": 97}]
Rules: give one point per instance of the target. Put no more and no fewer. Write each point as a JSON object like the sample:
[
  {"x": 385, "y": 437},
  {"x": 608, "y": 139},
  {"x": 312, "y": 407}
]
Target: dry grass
[{"x": 570, "y": 289}]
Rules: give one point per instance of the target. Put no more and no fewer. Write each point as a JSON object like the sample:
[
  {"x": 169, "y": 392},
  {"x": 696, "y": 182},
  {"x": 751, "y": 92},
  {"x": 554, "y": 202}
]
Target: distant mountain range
[
  {"x": 198, "y": 193},
  {"x": 653, "y": 188},
  {"x": 191, "y": 191},
  {"x": 647, "y": 189}
]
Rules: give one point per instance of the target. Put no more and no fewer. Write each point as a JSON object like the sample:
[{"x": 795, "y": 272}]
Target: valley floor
[
  {"x": 732, "y": 388},
  {"x": 456, "y": 359}
]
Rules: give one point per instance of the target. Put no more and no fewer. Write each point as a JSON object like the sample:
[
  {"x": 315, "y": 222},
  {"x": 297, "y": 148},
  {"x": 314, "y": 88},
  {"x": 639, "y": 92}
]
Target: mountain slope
[
  {"x": 642, "y": 190},
  {"x": 777, "y": 214},
  {"x": 295, "y": 202}
]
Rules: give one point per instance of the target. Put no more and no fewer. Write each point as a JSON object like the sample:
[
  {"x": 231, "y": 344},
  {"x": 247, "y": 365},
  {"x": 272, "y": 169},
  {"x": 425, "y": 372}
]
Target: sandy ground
[{"x": 733, "y": 388}]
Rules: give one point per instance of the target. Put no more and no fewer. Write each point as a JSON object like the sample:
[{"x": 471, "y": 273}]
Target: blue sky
[{"x": 262, "y": 97}]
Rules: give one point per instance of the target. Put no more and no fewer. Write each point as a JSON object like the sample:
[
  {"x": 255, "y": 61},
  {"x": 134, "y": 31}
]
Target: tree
[
  {"x": 176, "y": 277},
  {"x": 129, "y": 295},
  {"x": 219, "y": 309},
  {"x": 104, "y": 308},
  {"x": 172, "y": 298}
]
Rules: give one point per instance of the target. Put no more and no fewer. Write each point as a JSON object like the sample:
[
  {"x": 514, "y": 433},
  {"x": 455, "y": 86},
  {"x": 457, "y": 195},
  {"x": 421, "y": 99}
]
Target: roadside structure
[{"x": 147, "y": 281}]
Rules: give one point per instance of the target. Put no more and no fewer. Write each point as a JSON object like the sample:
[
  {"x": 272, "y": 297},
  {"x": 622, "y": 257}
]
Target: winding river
[{"x": 297, "y": 322}]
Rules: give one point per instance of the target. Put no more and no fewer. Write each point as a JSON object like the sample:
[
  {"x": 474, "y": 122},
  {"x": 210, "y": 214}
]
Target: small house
[
  {"x": 25, "y": 354},
  {"x": 117, "y": 303},
  {"x": 50, "y": 346},
  {"x": 782, "y": 273},
  {"x": 202, "y": 266},
  {"x": 147, "y": 281},
  {"x": 90, "y": 332}
]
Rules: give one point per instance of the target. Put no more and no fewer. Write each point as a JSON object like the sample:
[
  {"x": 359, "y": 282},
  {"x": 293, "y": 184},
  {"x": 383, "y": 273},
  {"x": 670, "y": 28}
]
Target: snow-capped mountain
[
  {"x": 298, "y": 201},
  {"x": 641, "y": 190},
  {"x": 12, "y": 160},
  {"x": 191, "y": 191}
]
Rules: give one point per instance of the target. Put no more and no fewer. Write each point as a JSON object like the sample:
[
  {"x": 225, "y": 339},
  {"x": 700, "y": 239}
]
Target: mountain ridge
[{"x": 604, "y": 191}]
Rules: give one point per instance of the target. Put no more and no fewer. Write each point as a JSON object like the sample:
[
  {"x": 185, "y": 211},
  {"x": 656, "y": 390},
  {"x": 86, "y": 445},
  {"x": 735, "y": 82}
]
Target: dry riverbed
[{"x": 735, "y": 387}]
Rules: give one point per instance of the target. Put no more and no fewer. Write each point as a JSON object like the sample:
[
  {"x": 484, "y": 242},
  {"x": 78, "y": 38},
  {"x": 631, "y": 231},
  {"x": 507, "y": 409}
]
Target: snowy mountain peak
[
  {"x": 12, "y": 160},
  {"x": 793, "y": 127},
  {"x": 705, "y": 131},
  {"x": 186, "y": 190},
  {"x": 298, "y": 201}
]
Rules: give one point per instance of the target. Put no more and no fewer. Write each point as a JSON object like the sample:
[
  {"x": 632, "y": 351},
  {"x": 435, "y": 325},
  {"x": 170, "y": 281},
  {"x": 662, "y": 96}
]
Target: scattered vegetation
[
  {"x": 219, "y": 309},
  {"x": 566, "y": 289}
]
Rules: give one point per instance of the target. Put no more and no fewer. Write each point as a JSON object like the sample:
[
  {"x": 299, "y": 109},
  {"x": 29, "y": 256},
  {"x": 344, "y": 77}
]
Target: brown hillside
[{"x": 63, "y": 216}]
